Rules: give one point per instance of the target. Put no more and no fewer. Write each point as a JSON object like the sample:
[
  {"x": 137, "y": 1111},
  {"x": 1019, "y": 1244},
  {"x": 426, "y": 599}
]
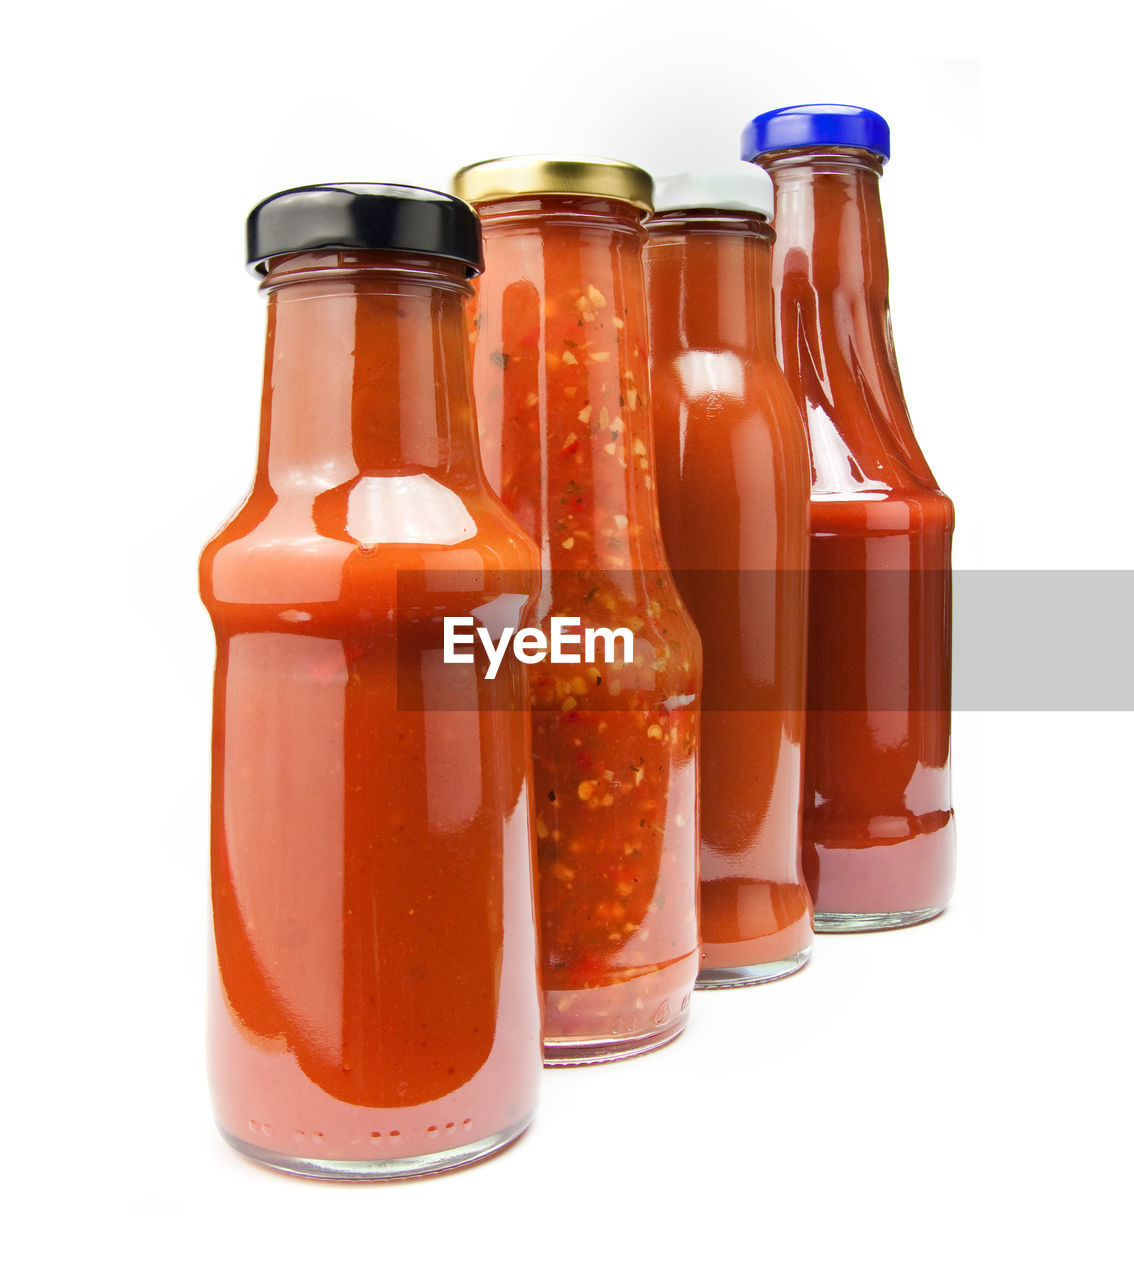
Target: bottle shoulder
[
  {"x": 709, "y": 395},
  {"x": 719, "y": 374},
  {"x": 908, "y": 509},
  {"x": 644, "y": 600},
  {"x": 330, "y": 546},
  {"x": 839, "y": 359}
]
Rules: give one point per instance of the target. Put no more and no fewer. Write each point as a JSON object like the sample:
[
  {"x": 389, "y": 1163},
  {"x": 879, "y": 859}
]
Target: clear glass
[
  {"x": 374, "y": 1006},
  {"x": 878, "y": 817},
  {"x": 733, "y": 484},
  {"x": 562, "y": 388}
]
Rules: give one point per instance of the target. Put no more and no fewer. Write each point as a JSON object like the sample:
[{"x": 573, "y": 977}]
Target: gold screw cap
[{"x": 553, "y": 175}]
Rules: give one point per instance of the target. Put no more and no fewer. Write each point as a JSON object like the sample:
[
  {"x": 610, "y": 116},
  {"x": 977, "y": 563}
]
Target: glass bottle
[
  {"x": 733, "y": 483},
  {"x": 878, "y": 816},
  {"x": 375, "y": 1006},
  {"x": 560, "y": 370}
]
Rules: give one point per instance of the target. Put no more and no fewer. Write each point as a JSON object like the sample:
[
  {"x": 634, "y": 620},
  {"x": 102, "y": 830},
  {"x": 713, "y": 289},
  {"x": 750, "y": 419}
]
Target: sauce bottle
[
  {"x": 878, "y": 817},
  {"x": 561, "y": 375},
  {"x": 733, "y": 483},
  {"x": 375, "y": 1007}
]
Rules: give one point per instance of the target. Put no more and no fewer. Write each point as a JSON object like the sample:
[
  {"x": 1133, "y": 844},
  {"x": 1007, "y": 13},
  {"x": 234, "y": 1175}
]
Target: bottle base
[
  {"x": 751, "y": 975},
  {"x": 865, "y": 922},
  {"x": 379, "y": 1170},
  {"x": 589, "y": 1053}
]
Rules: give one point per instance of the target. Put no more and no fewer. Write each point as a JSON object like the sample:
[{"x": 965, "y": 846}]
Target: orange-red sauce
[
  {"x": 562, "y": 388},
  {"x": 733, "y": 489},
  {"x": 376, "y": 993},
  {"x": 878, "y": 817}
]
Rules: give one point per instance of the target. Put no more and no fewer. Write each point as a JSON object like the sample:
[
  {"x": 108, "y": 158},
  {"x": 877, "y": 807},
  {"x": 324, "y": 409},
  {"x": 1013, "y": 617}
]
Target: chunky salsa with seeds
[{"x": 561, "y": 384}]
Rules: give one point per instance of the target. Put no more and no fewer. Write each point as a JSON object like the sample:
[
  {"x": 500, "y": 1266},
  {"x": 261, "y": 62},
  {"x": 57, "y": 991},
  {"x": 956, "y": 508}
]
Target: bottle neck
[
  {"x": 366, "y": 370},
  {"x": 714, "y": 271},
  {"x": 562, "y": 378},
  {"x": 832, "y": 301},
  {"x": 829, "y": 223}
]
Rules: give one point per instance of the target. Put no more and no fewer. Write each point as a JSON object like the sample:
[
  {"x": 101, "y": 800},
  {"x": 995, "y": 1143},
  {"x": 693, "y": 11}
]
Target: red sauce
[
  {"x": 376, "y": 995},
  {"x": 733, "y": 488},
  {"x": 878, "y": 817},
  {"x": 561, "y": 377}
]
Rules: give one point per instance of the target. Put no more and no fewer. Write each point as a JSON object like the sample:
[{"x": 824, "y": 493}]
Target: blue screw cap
[{"x": 821, "y": 124}]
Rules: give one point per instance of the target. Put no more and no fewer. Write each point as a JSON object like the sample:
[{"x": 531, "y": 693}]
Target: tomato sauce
[
  {"x": 375, "y": 1008},
  {"x": 733, "y": 486},
  {"x": 562, "y": 389},
  {"x": 878, "y": 817}
]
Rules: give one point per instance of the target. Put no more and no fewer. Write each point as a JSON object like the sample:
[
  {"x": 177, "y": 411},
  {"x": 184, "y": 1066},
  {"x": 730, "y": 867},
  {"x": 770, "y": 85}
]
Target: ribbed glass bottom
[
  {"x": 862, "y": 922},
  {"x": 379, "y": 1170},
  {"x": 750, "y": 975},
  {"x": 587, "y": 1053}
]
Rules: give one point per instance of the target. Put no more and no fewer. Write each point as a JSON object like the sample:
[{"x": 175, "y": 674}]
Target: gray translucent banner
[
  {"x": 1043, "y": 640},
  {"x": 1021, "y": 640}
]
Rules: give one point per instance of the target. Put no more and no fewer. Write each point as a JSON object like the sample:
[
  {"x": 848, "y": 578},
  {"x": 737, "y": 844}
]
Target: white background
[{"x": 951, "y": 1100}]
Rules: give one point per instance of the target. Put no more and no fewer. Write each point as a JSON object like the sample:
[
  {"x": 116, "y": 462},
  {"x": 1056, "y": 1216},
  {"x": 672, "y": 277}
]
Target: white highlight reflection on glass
[
  {"x": 418, "y": 508},
  {"x": 835, "y": 467},
  {"x": 710, "y": 373}
]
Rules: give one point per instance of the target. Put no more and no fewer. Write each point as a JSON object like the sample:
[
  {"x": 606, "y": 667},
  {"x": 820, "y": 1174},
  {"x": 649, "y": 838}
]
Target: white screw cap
[{"x": 745, "y": 187}]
